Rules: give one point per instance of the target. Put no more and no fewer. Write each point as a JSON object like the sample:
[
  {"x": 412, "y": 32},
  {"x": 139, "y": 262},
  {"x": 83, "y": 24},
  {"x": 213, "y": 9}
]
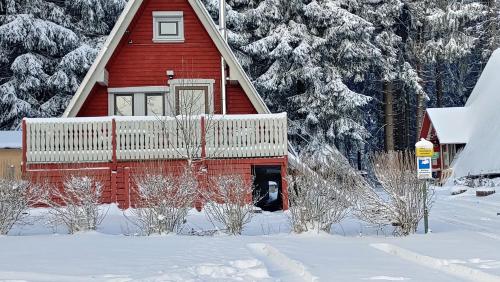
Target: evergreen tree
[
  {"x": 301, "y": 56},
  {"x": 46, "y": 48},
  {"x": 448, "y": 40}
]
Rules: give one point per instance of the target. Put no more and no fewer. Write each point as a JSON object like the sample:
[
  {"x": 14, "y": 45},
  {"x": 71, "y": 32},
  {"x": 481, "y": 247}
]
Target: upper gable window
[{"x": 168, "y": 27}]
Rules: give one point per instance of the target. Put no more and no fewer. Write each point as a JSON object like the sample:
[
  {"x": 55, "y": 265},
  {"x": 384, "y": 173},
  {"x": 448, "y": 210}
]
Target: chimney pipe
[
  {"x": 222, "y": 19},
  {"x": 223, "y": 31}
]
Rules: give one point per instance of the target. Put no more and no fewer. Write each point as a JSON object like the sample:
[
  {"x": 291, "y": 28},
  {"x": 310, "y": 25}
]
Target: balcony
[{"x": 115, "y": 139}]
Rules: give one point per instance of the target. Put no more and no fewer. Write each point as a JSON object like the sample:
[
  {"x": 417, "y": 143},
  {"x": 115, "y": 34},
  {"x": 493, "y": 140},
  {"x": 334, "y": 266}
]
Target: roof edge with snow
[{"x": 452, "y": 125}]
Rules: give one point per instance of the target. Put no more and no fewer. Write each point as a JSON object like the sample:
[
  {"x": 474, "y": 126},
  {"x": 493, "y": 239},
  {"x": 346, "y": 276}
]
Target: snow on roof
[
  {"x": 452, "y": 125},
  {"x": 11, "y": 139},
  {"x": 487, "y": 81},
  {"x": 481, "y": 155}
]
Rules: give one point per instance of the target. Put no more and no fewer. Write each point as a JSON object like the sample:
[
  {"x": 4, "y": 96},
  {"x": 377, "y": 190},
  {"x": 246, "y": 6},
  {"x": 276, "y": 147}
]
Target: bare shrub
[
  {"x": 77, "y": 205},
  {"x": 230, "y": 202},
  {"x": 164, "y": 200},
  {"x": 401, "y": 203},
  {"x": 320, "y": 193},
  {"x": 16, "y": 196}
]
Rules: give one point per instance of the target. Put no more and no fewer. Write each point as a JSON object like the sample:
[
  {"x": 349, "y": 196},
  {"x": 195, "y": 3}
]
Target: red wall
[
  {"x": 96, "y": 104},
  {"x": 138, "y": 61},
  {"x": 426, "y": 126},
  {"x": 118, "y": 178},
  {"x": 238, "y": 102}
]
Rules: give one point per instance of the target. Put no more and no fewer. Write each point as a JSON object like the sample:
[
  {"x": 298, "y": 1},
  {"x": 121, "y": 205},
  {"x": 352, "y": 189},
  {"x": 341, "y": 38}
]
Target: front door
[{"x": 267, "y": 187}]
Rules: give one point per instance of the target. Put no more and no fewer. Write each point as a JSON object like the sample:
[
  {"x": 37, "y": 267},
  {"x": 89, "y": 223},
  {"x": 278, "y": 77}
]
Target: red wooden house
[
  {"x": 447, "y": 129},
  {"x": 164, "y": 63}
]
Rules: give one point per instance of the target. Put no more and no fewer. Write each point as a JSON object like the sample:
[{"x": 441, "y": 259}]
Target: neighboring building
[
  {"x": 162, "y": 59},
  {"x": 10, "y": 153},
  {"x": 467, "y": 138}
]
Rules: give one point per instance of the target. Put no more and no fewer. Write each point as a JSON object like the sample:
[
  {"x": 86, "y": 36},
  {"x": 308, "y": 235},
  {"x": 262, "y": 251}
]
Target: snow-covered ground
[{"x": 463, "y": 246}]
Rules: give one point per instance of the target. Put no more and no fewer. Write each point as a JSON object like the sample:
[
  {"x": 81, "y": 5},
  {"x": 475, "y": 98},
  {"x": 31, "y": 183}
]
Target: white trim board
[
  {"x": 139, "y": 89},
  {"x": 190, "y": 81},
  {"x": 119, "y": 30}
]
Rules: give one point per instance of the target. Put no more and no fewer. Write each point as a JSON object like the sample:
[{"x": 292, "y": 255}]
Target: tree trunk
[
  {"x": 420, "y": 102},
  {"x": 439, "y": 85},
  {"x": 389, "y": 115},
  {"x": 420, "y": 96},
  {"x": 408, "y": 140}
]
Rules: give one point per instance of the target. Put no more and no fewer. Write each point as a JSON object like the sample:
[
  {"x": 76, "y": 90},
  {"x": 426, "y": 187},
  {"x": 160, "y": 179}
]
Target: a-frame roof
[{"x": 97, "y": 69}]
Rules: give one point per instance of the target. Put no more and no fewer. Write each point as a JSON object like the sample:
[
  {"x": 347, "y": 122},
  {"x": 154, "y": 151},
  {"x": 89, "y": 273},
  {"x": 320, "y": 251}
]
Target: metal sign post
[{"x": 424, "y": 150}]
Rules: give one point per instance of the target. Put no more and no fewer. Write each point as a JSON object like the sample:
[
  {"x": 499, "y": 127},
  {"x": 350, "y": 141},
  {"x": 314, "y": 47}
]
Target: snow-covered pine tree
[
  {"x": 46, "y": 47},
  {"x": 409, "y": 34},
  {"x": 302, "y": 55},
  {"x": 386, "y": 18},
  {"x": 341, "y": 59},
  {"x": 448, "y": 44},
  {"x": 488, "y": 28}
]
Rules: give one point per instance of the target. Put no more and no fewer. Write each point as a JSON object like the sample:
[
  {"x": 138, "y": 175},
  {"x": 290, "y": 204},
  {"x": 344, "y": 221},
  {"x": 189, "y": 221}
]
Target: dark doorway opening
[{"x": 267, "y": 187}]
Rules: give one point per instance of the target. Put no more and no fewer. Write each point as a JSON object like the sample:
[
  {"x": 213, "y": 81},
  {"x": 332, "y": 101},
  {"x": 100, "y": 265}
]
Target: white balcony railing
[{"x": 111, "y": 139}]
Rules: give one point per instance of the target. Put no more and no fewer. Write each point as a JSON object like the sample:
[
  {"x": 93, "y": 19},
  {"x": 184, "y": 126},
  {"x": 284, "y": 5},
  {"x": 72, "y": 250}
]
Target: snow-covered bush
[
  {"x": 16, "y": 196},
  {"x": 230, "y": 202},
  {"x": 319, "y": 194},
  {"x": 402, "y": 200},
  {"x": 76, "y": 206},
  {"x": 164, "y": 200},
  {"x": 474, "y": 182}
]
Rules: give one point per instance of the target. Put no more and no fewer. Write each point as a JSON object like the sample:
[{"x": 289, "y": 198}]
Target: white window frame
[
  {"x": 170, "y": 16},
  {"x": 139, "y": 94},
  {"x": 173, "y": 83}
]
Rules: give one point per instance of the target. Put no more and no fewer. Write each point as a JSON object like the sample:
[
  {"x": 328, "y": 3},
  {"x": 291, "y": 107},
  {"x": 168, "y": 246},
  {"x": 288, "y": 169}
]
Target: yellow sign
[{"x": 425, "y": 152}]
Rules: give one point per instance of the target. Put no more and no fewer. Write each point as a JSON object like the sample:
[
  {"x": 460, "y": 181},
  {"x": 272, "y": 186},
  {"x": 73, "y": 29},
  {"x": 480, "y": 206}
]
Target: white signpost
[{"x": 424, "y": 150}]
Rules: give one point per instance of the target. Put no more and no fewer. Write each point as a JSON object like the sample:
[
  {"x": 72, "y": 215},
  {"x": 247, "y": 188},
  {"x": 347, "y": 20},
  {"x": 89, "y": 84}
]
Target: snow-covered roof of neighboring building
[
  {"x": 11, "y": 139},
  {"x": 452, "y": 125},
  {"x": 481, "y": 155}
]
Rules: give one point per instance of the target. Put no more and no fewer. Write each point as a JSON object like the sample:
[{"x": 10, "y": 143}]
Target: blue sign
[
  {"x": 424, "y": 163},
  {"x": 424, "y": 167}
]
